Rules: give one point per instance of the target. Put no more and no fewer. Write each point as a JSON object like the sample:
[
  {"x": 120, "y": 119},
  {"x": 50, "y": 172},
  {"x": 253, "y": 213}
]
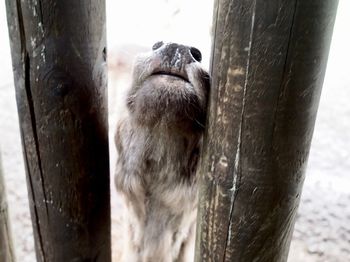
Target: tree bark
[
  {"x": 59, "y": 62},
  {"x": 268, "y": 65},
  {"x": 6, "y": 247}
]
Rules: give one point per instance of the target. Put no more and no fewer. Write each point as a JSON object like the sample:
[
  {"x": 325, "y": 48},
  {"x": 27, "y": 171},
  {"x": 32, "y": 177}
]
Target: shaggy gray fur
[{"x": 158, "y": 144}]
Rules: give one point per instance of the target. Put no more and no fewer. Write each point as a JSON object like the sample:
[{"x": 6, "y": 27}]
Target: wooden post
[
  {"x": 268, "y": 64},
  {"x": 6, "y": 247},
  {"x": 59, "y": 62}
]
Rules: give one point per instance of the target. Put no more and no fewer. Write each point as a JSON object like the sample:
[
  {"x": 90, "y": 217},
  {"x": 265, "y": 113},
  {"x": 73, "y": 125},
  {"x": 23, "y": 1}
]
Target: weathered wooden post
[
  {"x": 6, "y": 247},
  {"x": 268, "y": 64},
  {"x": 59, "y": 61}
]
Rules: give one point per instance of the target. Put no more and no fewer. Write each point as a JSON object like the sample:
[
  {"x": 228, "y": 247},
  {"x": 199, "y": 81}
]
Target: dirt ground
[{"x": 322, "y": 230}]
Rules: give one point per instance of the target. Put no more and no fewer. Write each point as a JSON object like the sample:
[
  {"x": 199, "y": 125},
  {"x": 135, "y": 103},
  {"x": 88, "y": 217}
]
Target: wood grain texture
[
  {"x": 6, "y": 247},
  {"x": 59, "y": 62},
  {"x": 268, "y": 64}
]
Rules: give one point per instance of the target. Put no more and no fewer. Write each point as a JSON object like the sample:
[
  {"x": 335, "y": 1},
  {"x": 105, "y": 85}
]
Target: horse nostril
[
  {"x": 157, "y": 45},
  {"x": 196, "y": 54}
]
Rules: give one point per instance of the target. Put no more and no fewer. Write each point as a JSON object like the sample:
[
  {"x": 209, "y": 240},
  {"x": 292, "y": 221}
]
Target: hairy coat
[{"x": 158, "y": 144}]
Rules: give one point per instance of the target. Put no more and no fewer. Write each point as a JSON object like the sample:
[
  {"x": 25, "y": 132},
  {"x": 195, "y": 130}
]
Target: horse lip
[{"x": 171, "y": 73}]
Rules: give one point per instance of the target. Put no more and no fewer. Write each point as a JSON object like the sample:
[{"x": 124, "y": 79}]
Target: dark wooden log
[
  {"x": 59, "y": 62},
  {"x": 6, "y": 247},
  {"x": 268, "y": 64}
]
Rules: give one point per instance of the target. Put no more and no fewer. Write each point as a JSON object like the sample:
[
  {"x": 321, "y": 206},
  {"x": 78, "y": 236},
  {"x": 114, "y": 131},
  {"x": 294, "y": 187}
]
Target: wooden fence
[
  {"x": 59, "y": 62},
  {"x": 268, "y": 63},
  {"x": 6, "y": 247}
]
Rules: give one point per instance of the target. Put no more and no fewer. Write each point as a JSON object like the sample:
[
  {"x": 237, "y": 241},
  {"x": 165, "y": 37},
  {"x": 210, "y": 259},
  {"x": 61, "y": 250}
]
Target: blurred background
[{"x": 322, "y": 230}]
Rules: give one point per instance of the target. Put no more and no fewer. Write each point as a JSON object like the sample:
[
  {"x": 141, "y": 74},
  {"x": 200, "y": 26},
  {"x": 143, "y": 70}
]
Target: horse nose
[
  {"x": 179, "y": 55},
  {"x": 196, "y": 54}
]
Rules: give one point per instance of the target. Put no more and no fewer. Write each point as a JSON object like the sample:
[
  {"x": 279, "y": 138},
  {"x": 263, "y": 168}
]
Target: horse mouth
[{"x": 171, "y": 73}]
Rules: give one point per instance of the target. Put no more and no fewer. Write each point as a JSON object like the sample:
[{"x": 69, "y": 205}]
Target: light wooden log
[{"x": 268, "y": 64}]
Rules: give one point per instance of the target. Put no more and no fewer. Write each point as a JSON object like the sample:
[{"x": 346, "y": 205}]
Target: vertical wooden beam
[
  {"x": 268, "y": 64},
  {"x": 6, "y": 248},
  {"x": 59, "y": 62}
]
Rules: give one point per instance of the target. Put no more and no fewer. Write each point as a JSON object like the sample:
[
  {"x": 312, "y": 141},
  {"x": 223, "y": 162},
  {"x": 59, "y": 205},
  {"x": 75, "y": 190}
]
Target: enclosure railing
[
  {"x": 59, "y": 62},
  {"x": 268, "y": 63},
  {"x": 7, "y": 253}
]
